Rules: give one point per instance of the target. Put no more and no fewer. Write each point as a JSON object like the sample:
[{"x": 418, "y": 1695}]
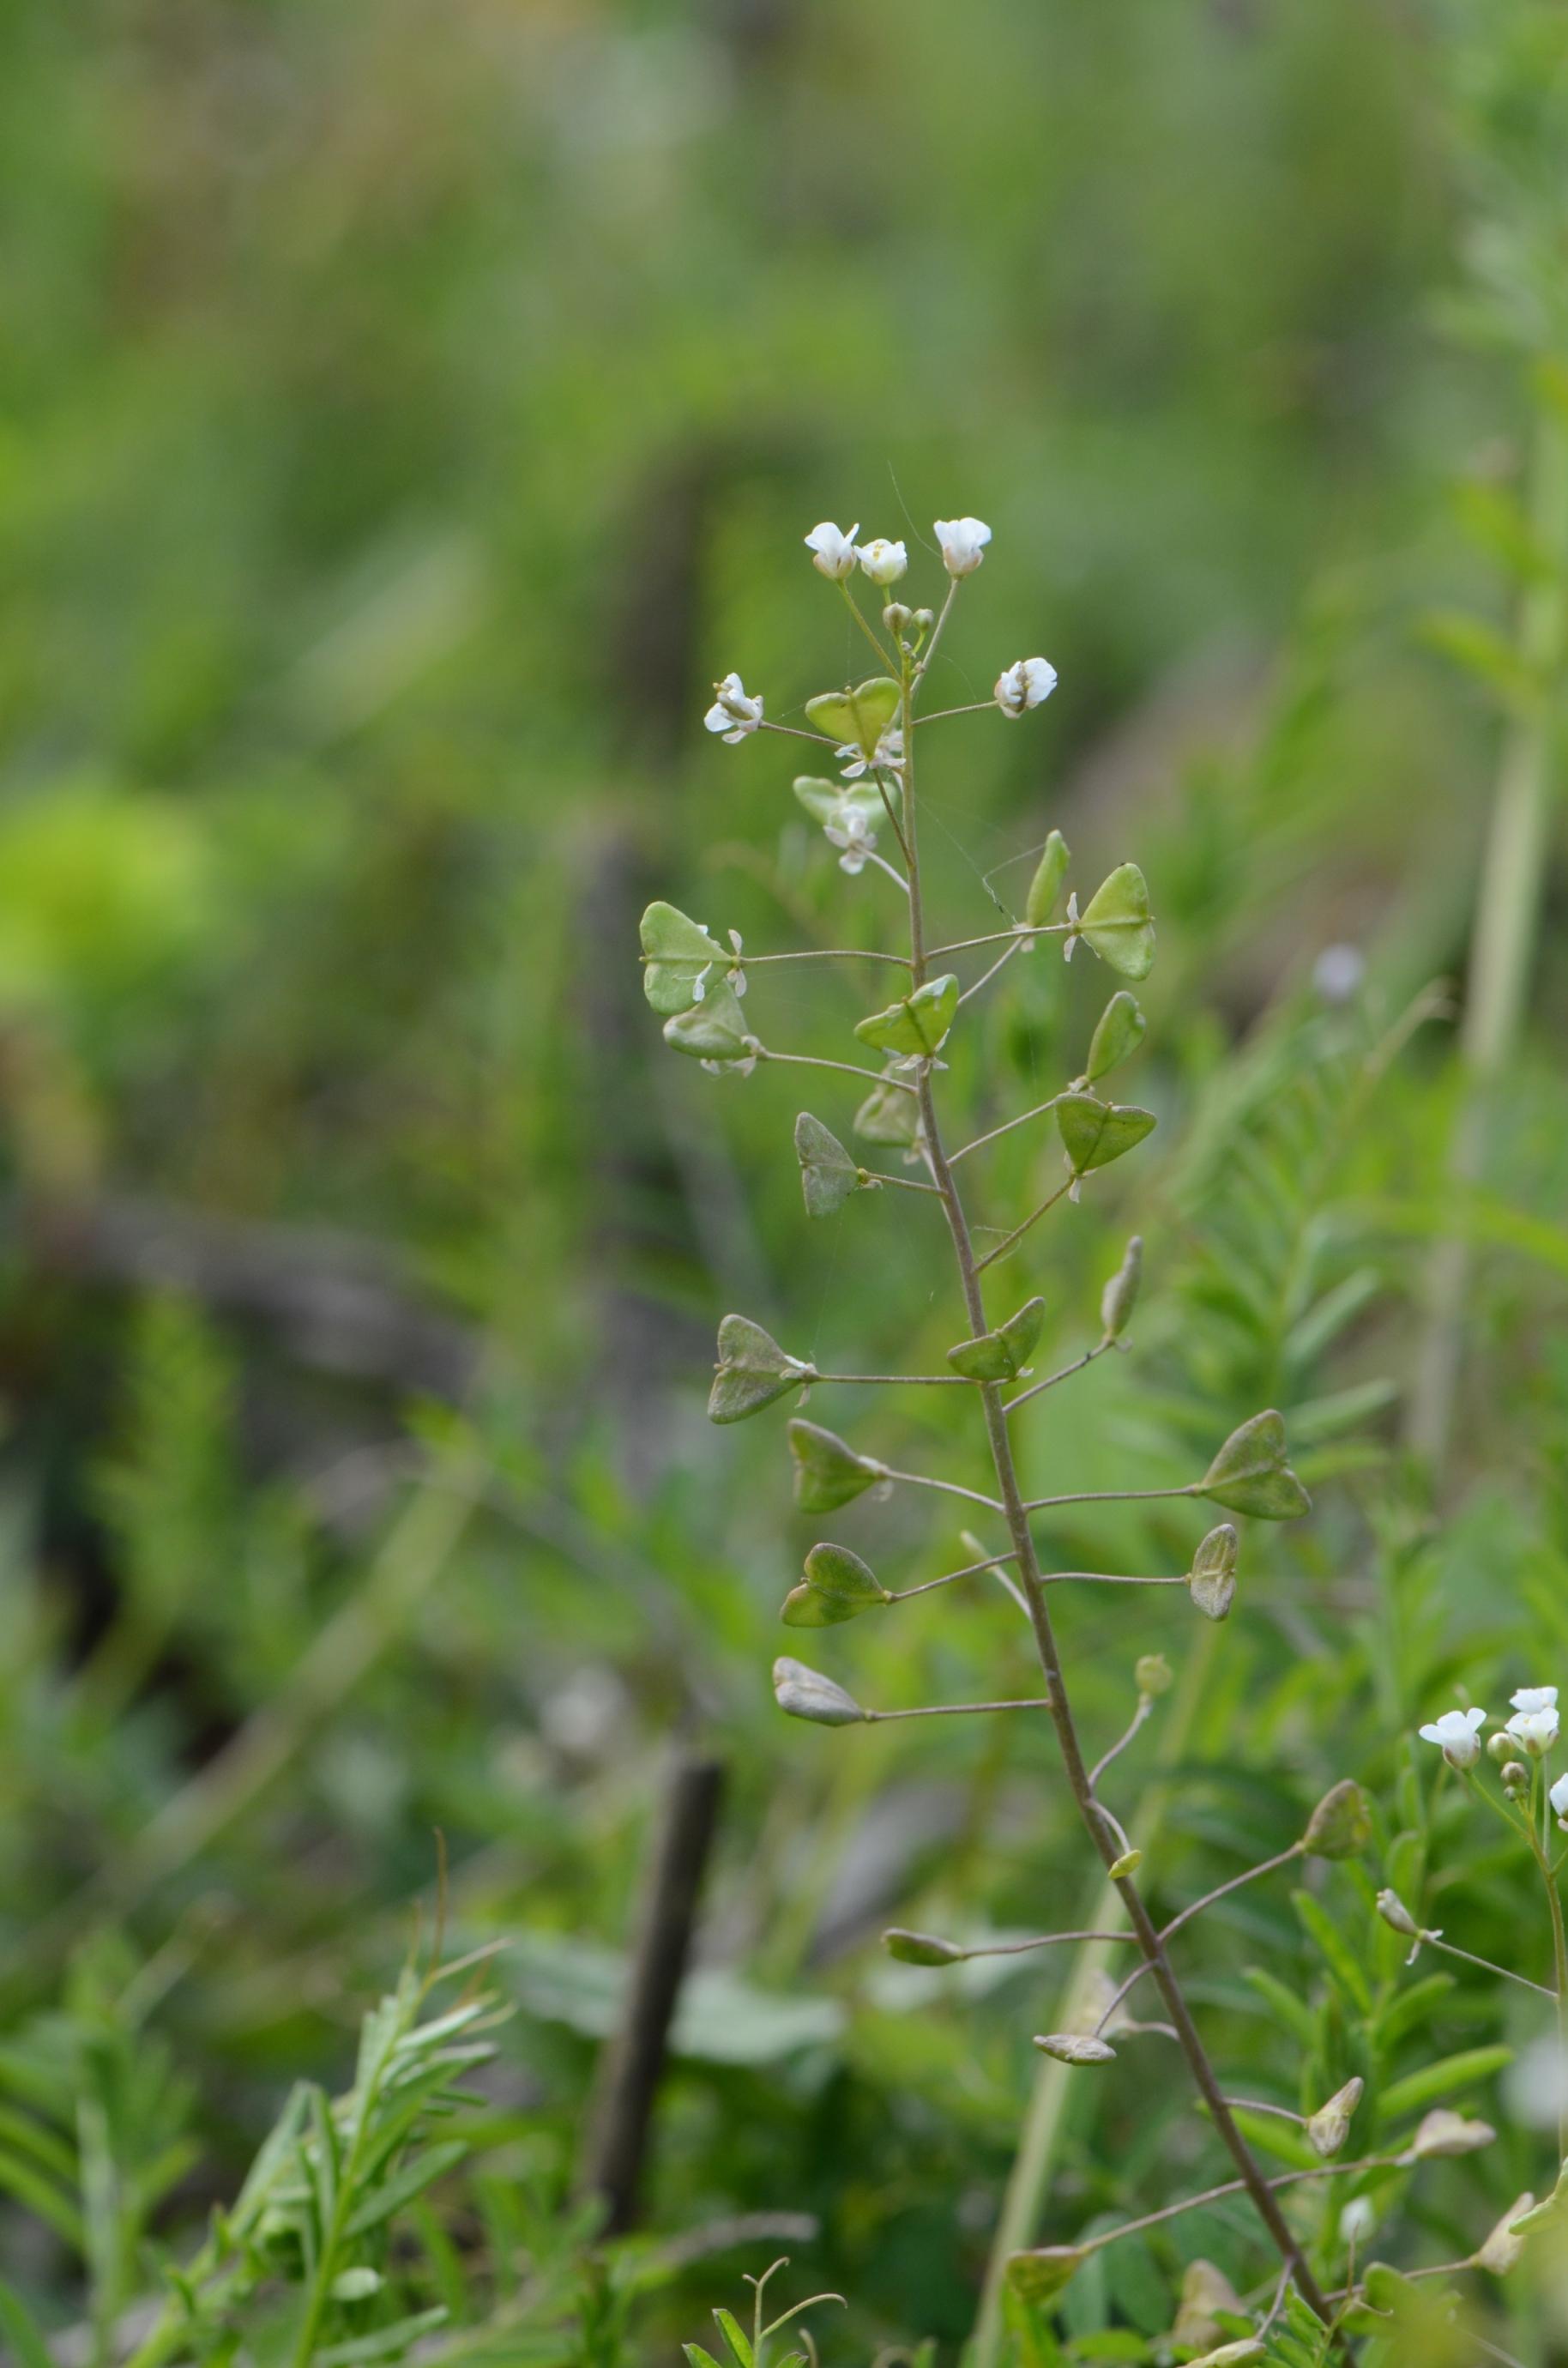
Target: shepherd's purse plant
[{"x": 864, "y": 740}]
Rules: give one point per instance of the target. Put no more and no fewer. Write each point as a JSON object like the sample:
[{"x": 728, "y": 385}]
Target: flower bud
[
  {"x": 1152, "y": 1674},
  {"x": 1394, "y": 1912},
  {"x": 897, "y": 616},
  {"x": 1499, "y": 1746},
  {"x": 1516, "y": 1779},
  {"x": 924, "y": 620},
  {"x": 1128, "y": 1863},
  {"x": 1357, "y": 2220}
]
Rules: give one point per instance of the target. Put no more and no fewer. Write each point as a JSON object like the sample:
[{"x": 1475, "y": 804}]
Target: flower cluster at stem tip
[
  {"x": 1531, "y": 1731},
  {"x": 836, "y": 553}
]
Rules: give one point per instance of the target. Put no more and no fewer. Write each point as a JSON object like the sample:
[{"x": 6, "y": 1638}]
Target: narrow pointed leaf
[
  {"x": 714, "y": 1030},
  {"x": 1000, "y": 1356},
  {"x": 753, "y": 1371},
  {"x": 863, "y": 715},
  {"x": 828, "y": 1175},
  {"x": 1211, "y": 1581},
  {"x": 827, "y": 1473},
  {"x": 916, "y": 1025},
  {"x": 1445, "y": 2078},
  {"x": 837, "y": 1585},
  {"x": 1252, "y": 1473},
  {"x": 18, "y": 2325},
  {"x": 1045, "y": 888},
  {"x": 1094, "y": 1132},
  {"x": 410, "y": 2180},
  {"x": 1118, "y": 1032},
  {"x": 385, "y": 2342},
  {"x": 1116, "y": 923},
  {"x": 740, "y": 2345},
  {"x": 679, "y": 951}
]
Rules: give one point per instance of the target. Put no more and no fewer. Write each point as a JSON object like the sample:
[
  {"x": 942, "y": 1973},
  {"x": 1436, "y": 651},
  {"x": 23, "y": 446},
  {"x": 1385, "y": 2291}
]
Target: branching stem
[
  {"x": 1007, "y": 1125},
  {"x": 1016, "y": 1511},
  {"x": 1066, "y": 1373},
  {"x": 1010, "y": 1241}
]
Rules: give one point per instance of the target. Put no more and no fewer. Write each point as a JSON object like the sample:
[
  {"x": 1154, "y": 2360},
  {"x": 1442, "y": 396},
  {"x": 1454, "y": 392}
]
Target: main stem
[{"x": 1104, "y": 1839}]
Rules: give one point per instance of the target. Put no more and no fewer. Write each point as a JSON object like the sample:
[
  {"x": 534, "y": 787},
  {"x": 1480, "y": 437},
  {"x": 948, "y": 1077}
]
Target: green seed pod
[
  {"x": 1121, "y": 1295},
  {"x": 1075, "y": 2047},
  {"x": 806, "y": 1693},
  {"x": 1341, "y": 1824},
  {"x": 1328, "y": 2128},
  {"x": 920, "y": 1948}
]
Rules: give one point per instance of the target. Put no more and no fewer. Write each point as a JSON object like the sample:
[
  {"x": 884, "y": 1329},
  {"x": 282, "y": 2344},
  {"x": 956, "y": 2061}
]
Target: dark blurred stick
[{"x": 629, "y": 2067}]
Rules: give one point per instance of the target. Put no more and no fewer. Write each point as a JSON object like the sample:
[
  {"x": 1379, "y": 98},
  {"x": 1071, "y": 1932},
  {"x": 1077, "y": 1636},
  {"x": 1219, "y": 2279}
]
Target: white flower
[
  {"x": 1531, "y": 1698},
  {"x": 1558, "y": 1796},
  {"x": 854, "y": 762},
  {"x": 855, "y": 836},
  {"x": 1456, "y": 1732},
  {"x": 963, "y": 542},
  {"x": 883, "y": 562},
  {"x": 1026, "y": 683},
  {"x": 1071, "y": 939},
  {"x": 833, "y": 554},
  {"x": 733, "y": 712},
  {"x": 1535, "y": 1729}
]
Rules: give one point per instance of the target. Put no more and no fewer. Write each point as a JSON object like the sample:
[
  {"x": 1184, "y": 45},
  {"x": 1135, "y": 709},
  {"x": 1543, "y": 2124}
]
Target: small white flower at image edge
[
  {"x": 883, "y": 562},
  {"x": 733, "y": 712},
  {"x": 1558, "y": 1796},
  {"x": 833, "y": 553},
  {"x": 1028, "y": 682},
  {"x": 1536, "y": 1730},
  {"x": 963, "y": 542},
  {"x": 1532, "y": 1698},
  {"x": 1457, "y": 1735}
]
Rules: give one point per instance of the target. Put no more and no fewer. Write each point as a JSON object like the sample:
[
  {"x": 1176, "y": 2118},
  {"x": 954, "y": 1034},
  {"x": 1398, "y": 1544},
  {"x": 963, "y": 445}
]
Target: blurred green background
[{"x": 406, "y": 413}]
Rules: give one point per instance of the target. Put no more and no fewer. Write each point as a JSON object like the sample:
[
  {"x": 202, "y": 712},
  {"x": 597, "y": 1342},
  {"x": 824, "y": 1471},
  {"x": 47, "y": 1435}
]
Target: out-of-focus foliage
[{"x": 405, "y": 414}]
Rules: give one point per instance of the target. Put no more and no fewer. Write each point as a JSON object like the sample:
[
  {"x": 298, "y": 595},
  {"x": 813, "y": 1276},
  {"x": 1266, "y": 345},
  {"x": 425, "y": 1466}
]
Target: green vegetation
[{"x": 407, "y": 416}]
